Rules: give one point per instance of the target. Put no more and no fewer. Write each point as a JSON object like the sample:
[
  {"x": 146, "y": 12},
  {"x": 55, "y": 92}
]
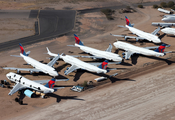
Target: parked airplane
[
  {"x": 38, "y": 66},
  {"x": 168, "y": 30},
  {"x": 22, "y": 83},
  {"x": 97, "y": 54},
  {"x": 169, "y": 18},
  {"x": 131, "y": 49},
  {"x": 141, "y": 34},
  {"x": 78, "y": 64},
  {"x": 162, "y": 24},
  {"x": 163, "y": 10}
]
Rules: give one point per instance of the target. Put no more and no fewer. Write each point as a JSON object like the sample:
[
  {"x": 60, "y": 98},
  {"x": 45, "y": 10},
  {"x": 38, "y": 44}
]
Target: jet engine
[
  {"x": 31, "y": 71},
  {"x": 29, "y": 93}
]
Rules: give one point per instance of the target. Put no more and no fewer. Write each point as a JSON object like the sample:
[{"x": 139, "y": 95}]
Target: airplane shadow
[
  {"x": 34, "y": 74},
  {"x": 125, "y": 64},
  {"x": 78, "y": 74},
  {"x": 58, "y": 98},
  {"x": 169, "y": 62},
  {"x": 134, "y": 59},
  {"x": 58, "y": 69},
  {"x": 161, "y": 36},
  {"x": 136, "y": 56}
]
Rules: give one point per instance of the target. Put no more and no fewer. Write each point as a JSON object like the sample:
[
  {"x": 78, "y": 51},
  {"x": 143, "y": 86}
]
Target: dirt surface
[{"x": 129, "y": 96}]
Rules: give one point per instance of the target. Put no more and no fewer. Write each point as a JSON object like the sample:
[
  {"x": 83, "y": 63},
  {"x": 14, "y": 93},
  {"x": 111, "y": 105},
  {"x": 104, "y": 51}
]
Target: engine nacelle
[
  {"x": 31, "y": 71},
  {"x": 67, "y": 68},
  {"x": 123, "y": 53},
  {"x": 65, "y": 72},
  {"x": 18, "y": 71},
  {"x": 29, "y": 93}
]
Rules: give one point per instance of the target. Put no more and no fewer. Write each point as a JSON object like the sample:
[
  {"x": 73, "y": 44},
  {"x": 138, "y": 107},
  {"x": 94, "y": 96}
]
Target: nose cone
[
  {"x": 164, "y": 30},
  {"x": 115, "y": 44},
  {"x": 54, "y": 73},
  {"x": 169, "y": 19}
]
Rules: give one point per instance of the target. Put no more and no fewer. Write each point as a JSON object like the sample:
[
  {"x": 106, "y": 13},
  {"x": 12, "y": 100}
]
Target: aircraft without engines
[
  {"x": 96, "y": 54},
  {"x": 78, "y": 64},
  {"x": 131, "y": 49},
  {"x": 141, "y": 35},
  {"x": 38, "y": 66},
  {"x": 168, "y": 30}
]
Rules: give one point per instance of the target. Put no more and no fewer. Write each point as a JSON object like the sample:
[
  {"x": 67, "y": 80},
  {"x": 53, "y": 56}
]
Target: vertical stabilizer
[
  {"x": 22, "y": 50},
  {"x": 104, "y": 65},
  {"x": 161, "y": 48},
  {"x": 128, "y": 22},
  {"x": 51, "y": 83},
  {"x": 77, "y": 40}
]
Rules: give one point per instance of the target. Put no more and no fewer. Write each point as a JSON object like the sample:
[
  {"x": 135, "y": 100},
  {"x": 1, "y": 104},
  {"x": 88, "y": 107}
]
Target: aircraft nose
[
  {"x": 54, "y": 73},
  {"x": 165, "y": 19}
]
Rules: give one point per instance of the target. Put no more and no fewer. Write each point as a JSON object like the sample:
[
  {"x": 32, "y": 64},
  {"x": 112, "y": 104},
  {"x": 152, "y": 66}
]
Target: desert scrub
[
  {"x": 140, "y": 6},
  {"x": 108, "y": 13}
]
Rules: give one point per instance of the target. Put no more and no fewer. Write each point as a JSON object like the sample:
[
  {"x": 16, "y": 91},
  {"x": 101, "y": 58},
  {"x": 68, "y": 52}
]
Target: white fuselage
[
  {"x": 136, "y": 49},
  {"x": 169, "y": 31},
  {"x": 145, "y": 35},
  {"x": 80, "y": 64},
  {"x": 40, "y": 66},
  {"x": 100, "y": 53},
  {"x": 169, "y": 18},
  {"x": 28, "y": 83}
]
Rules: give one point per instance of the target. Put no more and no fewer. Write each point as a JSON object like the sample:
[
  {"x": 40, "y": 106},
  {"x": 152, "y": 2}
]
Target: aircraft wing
[
  {"x": 94, "y": 57},
  {"x": 51, "y": 63},
  {"x": 109, "y": 48},
  {"x": 17, "y": 87},
  {"x": 22, "y": 69},
  {"x": 128, "y": 54},
  {"x": 71, "y": 69},
  {"x": 46, "y": 81},
  {"x": 125, "y": 36},
  {"x": 156, "y": 31}
]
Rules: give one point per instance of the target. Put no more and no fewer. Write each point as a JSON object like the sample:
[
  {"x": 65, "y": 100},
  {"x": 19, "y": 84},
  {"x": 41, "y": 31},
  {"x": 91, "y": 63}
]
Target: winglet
[
  {"x": 77, "y": 40},
  {"x": 104, "y": 65},
  {"x": 128, "y": 22},
  {"x": 22, "y": 50}
]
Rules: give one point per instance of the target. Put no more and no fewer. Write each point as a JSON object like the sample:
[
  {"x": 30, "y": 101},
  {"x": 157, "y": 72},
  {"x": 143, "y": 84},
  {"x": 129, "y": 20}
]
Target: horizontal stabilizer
[
  {"x": 16, "y": 56},
  {"x": 72, "y": 45},
  {"x": 122, "y": 26}
]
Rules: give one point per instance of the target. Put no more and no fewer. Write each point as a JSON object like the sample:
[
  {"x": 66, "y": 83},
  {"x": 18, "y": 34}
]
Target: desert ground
[{"x": 143, "y": 89}]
